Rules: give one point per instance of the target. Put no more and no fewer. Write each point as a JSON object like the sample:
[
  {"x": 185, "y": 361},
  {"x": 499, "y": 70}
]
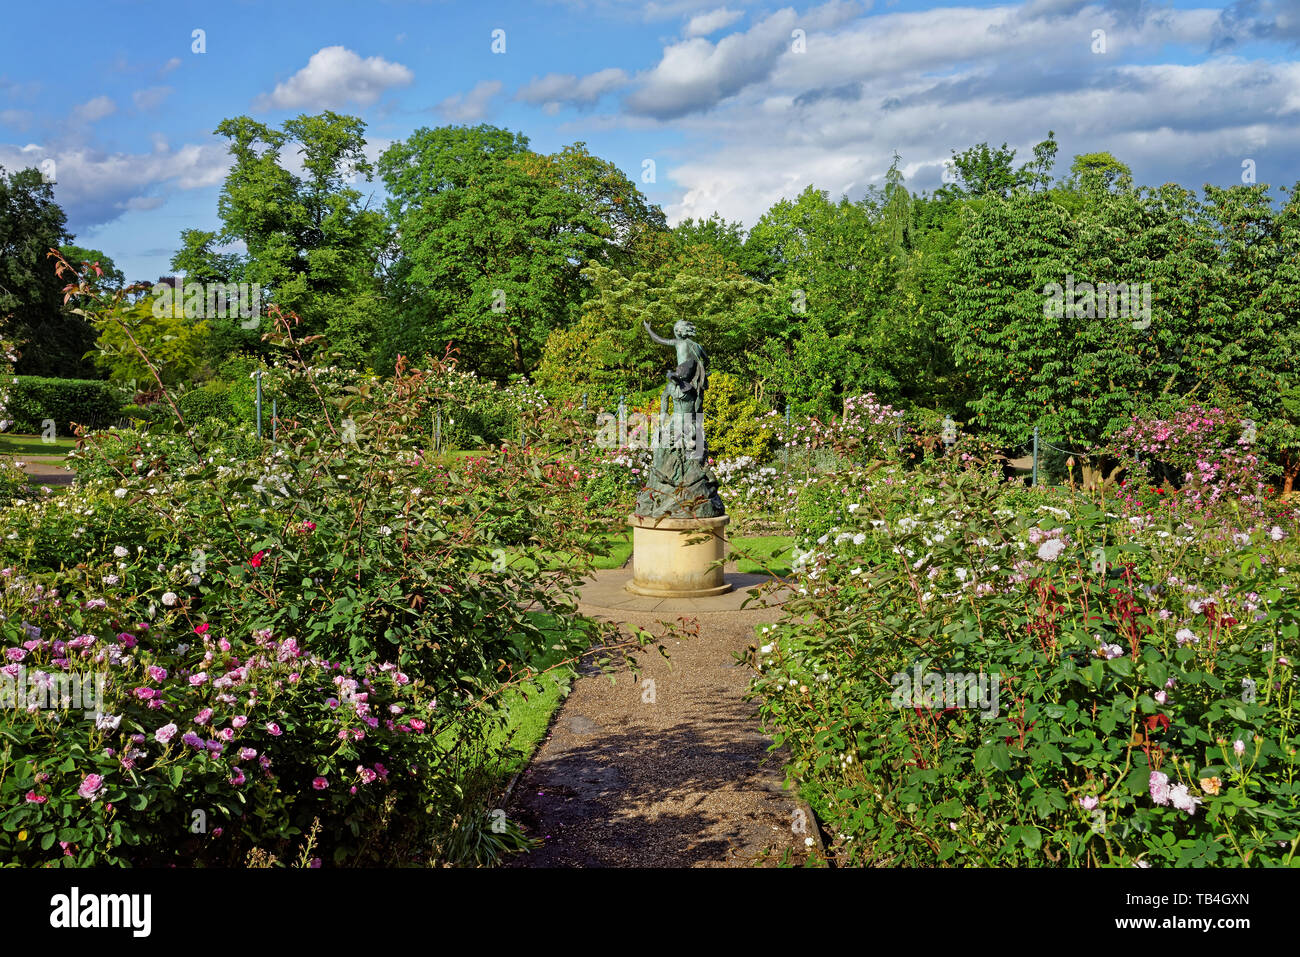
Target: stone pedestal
[{"x": 678, "y": 557}]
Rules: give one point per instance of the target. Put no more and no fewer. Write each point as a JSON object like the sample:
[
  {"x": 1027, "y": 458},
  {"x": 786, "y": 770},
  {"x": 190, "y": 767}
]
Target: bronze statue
[{"x": 680, "y": 483}]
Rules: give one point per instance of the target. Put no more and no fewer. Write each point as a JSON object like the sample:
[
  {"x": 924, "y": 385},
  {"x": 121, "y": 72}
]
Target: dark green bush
[
  {"x": 211, "y": 401},
  {"x": 160, "y": 413},
  {"x": 90, "y": 402}
]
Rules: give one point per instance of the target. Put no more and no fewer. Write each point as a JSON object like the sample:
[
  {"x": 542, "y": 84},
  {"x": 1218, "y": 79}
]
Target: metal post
[
  {"x": 622, "y": 422},
  {"x": 274, "y": 421},
  {"x": 258, "y": 377},
  {"x": 1035, "y": 477},
  {"x": 584, "y": 402}
]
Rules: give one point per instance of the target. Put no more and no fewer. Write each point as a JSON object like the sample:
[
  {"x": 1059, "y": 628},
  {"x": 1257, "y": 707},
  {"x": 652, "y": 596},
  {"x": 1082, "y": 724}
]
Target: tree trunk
[{"x": 517, "y": 351}]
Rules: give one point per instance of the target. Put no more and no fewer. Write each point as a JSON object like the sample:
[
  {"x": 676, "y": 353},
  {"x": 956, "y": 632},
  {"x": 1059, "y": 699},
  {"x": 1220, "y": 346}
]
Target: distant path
[
  {"x": 683, "y": 780},
  {"x": 44, "y": 474}
]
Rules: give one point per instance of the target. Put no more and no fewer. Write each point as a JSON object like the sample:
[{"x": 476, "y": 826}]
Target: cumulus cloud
[
  {"x": 696, "y": 74},
  {"x": 702, "y": 24},
  {"x": 96, "y": 187},
  {"x": 472, "y": 106},
  {"x": 929, "y": 81},
  {"x": 334, "y": 77},
  {"x": 556, "y": 89},
  {"x": 1247, "y": 20}
]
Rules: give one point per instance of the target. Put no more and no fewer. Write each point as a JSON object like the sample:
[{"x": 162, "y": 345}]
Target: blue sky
[{"x": 717, "y": 94}]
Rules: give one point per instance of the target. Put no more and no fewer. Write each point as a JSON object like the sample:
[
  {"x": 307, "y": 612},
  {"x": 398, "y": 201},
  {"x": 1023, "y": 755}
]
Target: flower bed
[{"x": 983, "y": 676}]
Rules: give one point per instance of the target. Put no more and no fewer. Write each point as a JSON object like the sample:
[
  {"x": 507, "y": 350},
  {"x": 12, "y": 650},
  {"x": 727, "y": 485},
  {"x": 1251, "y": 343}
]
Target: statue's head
[{"x": 684, "y": 329}]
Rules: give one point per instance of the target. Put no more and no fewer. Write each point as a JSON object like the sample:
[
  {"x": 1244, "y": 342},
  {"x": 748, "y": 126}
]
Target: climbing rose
[
  {"x": 1181, "y": 799},
  {"x": 1159, "y": 787}
]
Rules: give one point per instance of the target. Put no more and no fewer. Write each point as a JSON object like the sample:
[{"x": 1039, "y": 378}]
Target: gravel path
[
  {"x": 673, "y": 774},
  {"x": 43, "y": 473}
]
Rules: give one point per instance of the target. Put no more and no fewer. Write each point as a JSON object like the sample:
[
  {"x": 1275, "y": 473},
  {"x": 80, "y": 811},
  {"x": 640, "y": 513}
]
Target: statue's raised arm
[{"x": 658, "y": 339}]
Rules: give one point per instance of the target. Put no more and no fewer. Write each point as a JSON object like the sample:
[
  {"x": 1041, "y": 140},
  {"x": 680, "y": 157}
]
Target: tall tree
[
  {"x": 111, "y": 278},
  {"x": 53, "y": 341},
  {"x": 494, "y": 239},
  {"x": 312, "y": 243}
]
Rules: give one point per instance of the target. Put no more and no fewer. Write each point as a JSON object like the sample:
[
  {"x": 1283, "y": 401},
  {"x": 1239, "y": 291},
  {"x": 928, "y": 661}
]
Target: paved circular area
[{"x": 604, "y": 592}]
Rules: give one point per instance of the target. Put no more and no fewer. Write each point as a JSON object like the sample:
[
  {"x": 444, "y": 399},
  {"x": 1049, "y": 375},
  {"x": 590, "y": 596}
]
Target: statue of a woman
[
  {"x": 688, "y": 381},
  {"x": 680, "y": 483}
]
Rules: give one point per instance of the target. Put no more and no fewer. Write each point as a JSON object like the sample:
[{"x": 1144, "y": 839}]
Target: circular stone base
[
  {"x": 678, "y": 557},
  {"x": 636, "y": 589}
]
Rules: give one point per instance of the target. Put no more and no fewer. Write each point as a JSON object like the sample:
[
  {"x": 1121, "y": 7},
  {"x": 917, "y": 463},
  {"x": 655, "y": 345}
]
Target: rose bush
[
  {"x": 336, "y": 590},
  {"x": 1145, "y": 706}
]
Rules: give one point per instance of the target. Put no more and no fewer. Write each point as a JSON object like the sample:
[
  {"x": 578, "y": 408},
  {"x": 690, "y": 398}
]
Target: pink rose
[{"x": 91, "y": 785}]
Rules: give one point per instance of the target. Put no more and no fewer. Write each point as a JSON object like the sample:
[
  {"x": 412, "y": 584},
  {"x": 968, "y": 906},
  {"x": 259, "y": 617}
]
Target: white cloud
[
  {"x": 334, "y": 77},
  {"x": 556, "y": 89},
  {"x": 472, "y": 106},
  {"x": 695, "y": 74},
  {"x": 170, "y": 65},
  {"x": 92, "y": 110},
  {"x": 702, "y": 24},
  {"x": 96, "y": 187},
  {"x": 930, "y": 81}
]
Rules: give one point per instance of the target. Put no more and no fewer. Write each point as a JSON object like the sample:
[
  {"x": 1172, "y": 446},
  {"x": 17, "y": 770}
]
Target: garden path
[{"x": 670, "y": 774}]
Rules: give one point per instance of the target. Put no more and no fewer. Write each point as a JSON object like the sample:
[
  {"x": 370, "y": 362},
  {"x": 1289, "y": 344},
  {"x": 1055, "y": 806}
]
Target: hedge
[
  {"x": 34, "y": 399},
  {"x": 208, "y": 401}
]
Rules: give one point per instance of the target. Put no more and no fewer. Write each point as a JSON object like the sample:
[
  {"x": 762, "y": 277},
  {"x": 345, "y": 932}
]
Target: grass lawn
[
  {"x": 34, "y": 447},
  {"x": 773, "y": 554},
  {"x": 528, "y": 710},
  {"x": 529, "y": 714},
  {"x": 760, "y": 554}
]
